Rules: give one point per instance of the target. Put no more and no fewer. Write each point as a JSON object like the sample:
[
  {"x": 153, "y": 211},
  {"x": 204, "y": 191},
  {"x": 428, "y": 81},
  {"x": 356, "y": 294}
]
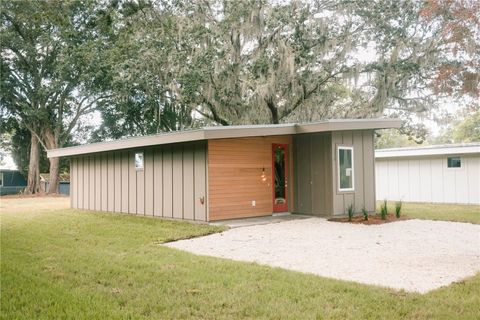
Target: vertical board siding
[
  {"x": 91, "y": 203},
  {"x": 363, "y": 194},
  {"x": 74, "y": 182},
  {"x": 141, "y": 188},
  {"x": 110, "y": 182},
  {"x": 234, "y": 170},
  {"x": 103, "y": 158},
  {"x": 149, "y": 186},
  {"x": 125, "y": 182},
  {"x": 167, "y": 183},
  {"x": 177, "y": 173},
  {"x": 428, "y": 179},
  {"x": 86, "y": 182},
  {"x": 117, "y": 206},
  {"x": 200, "y": 180},
  {"x": 188, "y": 183},
  {"x": 132, "y": 184},
  {"x": 312, "y": 163},
  {"x": 98, "y": 183},
  {"x": 80, "y": 183},
  {"x": 368, "y": 171},
  {"x": 158, "y": 183}
]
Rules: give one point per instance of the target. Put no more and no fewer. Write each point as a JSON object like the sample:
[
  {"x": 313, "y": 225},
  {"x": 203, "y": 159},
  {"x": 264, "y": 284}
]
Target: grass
[
  {"x": 58, "y": 263},
  {"x": 446, "y": 212}
]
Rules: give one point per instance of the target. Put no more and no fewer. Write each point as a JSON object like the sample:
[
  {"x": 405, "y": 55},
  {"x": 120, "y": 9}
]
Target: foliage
[
  {"x": 398, "y": 208},
  {"x": 75, "y": 264},
  {"x": 393, "y": 138},
  {"x": 51, "y": 68},
  {"x": 350, "y": 212},
  {"x": 365, "y": 213},
  {"x": 384, "y": 210},
  {"x": 443, "y": 212}
]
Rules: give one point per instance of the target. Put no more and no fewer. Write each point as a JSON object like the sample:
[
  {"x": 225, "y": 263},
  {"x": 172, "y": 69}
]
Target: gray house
[{"x": 218, "y": 173}]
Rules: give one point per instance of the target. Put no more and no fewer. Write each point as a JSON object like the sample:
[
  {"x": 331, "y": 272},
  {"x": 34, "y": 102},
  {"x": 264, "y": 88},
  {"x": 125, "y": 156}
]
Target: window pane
[
  {"x": 454, "y": 162},
  {"x": 345, "y": 168},
  {"x": 279, "y": 171},
  {"x": 139, "y": 160}
]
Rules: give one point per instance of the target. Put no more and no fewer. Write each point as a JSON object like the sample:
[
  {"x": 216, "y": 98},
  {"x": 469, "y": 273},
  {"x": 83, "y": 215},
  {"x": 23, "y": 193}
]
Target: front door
[{"x": 279, "y": 177}]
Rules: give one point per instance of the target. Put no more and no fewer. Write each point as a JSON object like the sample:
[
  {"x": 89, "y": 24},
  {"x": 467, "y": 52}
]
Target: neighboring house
[
  {"x": 437, "y": 174},
  {"x": 218, "y": 173},
  {"x": 63, "y": 183},
  {"x": 11, "y": 182}
]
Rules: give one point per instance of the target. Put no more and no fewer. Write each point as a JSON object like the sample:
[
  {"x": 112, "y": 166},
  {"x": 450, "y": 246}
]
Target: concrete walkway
[
  {"x": 246, "y": 222},
  {"x": 414, "y": 255}
]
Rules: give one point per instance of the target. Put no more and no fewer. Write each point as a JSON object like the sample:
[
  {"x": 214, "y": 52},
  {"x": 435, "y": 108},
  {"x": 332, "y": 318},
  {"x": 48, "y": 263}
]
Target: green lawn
[
  {"x": 58, "y": 263},
  {"x": 447, "y": 212}
]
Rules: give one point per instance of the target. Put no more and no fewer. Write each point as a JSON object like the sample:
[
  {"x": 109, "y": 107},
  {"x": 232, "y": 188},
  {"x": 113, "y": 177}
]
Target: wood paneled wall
[
  {"x": 173, "y": 183},
  {"x": 234, "y": 175}
]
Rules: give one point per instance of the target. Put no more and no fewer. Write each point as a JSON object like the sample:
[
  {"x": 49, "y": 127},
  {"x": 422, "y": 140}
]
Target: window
[
  {"x": 139, "y": 160},
  {"x": 345, "y": 169},
  {"x": 454, "y": 162},
  {"x": 1, "y": 179}
]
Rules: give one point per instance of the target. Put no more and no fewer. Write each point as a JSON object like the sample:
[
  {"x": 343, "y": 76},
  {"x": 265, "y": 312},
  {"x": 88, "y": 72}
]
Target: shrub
[
  {"x": 365, "y": 214},
  {"x": 350, "y": 212},
  {"x": 398, "y": 208},
  {"x": 384, "y": 210}
]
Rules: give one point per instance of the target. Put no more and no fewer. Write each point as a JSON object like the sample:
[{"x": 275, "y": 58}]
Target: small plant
[
  {"x": 384, "y": 210},
  {"x": 350, "y": 212},
  {"x": 365, "y": 214},
  {"x": 398, "y": 208}
]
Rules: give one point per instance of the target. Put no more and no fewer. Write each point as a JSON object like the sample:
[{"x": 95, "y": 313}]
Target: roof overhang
[
  {"x": 428, "y": 151},
  {"x": 226, "y": 132}
]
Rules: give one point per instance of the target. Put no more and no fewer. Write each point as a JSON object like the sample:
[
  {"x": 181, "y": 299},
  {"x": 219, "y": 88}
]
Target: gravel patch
[{"x": 413, "y": 255}]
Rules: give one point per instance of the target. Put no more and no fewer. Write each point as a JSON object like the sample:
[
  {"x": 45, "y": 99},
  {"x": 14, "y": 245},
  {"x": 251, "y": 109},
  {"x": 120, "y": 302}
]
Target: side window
[
  {"x": 454, "y": 162},
  {"x": 345, "y": 169},
  {"x": 139, "y": 160}
]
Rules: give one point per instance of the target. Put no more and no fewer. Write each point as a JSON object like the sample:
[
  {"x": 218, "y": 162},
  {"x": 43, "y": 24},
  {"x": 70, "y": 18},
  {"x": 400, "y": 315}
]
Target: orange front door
[{"x": 280, "y": 177}]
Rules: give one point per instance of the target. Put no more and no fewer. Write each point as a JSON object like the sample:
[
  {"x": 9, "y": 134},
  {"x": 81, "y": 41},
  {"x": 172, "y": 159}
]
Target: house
[
  {"x": 12, "y": 181},
  {"x": 218, "y": 173},
  {"x": 63, "y": 183},
  {"x": 437, "y": 174}
]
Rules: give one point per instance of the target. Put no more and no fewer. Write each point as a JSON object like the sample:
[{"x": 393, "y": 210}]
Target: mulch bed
[{"x": 373, "y": 219}]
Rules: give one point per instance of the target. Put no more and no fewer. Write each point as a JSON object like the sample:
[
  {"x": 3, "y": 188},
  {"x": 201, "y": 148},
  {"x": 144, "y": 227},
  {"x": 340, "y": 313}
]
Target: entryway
[{"x": 280, "y": 177}]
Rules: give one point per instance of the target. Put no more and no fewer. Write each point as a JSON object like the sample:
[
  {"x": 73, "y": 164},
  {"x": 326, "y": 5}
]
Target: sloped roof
[
  {"x": 225, "y": 132},
  {"x": 62, "y": 177},
  {"x": 444, "y": 149}
]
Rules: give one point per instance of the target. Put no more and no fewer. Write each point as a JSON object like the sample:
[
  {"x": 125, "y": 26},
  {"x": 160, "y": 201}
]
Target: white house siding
[{"x": 427, "y": 179}]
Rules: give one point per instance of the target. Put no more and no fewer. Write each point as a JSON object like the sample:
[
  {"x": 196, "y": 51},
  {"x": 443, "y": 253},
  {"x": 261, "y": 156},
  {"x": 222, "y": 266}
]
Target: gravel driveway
[{"x": 414, "y": 255}]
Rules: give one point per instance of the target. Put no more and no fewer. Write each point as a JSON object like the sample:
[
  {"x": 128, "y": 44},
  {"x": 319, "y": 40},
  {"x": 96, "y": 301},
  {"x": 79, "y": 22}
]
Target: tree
[{"x": 50, "y": 61}]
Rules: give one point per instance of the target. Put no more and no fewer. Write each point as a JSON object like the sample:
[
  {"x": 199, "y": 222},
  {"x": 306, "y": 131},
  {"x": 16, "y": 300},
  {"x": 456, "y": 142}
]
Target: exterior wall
[
  {"x": 172, "y": 184},
  {"x": 313, "y": 174},
  {"x": 63, "y": 187},
  {"x": 234, "y": 170},
  {"x": 427, "y": 179},
  {"x": 12, "y": 182},
  {"x": 363, "y": 194}
]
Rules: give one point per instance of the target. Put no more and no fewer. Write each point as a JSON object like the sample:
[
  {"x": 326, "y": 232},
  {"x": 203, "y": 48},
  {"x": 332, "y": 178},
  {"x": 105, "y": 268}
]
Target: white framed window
[
  {"x": 454, "y": 162},
  {"x": 345, "y": 167},
  {"x": 139, "y": 160}
]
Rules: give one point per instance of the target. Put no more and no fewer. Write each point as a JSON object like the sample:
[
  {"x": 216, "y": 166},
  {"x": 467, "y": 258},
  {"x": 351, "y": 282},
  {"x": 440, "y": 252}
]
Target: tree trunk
[
  {"x": 274, "y": 118},
  {"x": 54, "y": 167},
  {"x": 33, "y": 180}
]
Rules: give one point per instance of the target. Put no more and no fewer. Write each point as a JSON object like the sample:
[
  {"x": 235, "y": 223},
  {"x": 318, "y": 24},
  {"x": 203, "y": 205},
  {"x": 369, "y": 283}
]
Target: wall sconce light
[{"x": 263, "y": 176}]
